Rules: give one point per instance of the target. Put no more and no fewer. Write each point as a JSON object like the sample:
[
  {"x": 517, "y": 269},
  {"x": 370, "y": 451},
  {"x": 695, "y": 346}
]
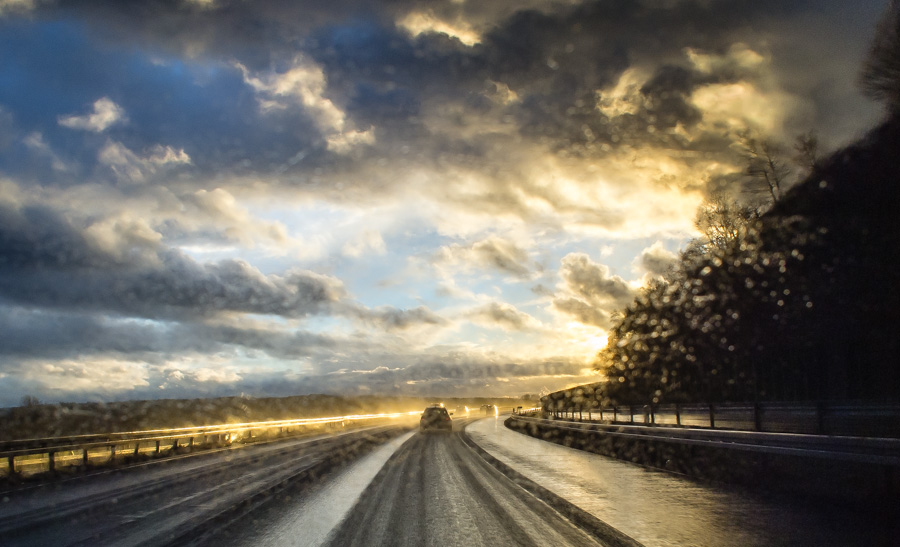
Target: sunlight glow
[{"x": 417, "y": 23}]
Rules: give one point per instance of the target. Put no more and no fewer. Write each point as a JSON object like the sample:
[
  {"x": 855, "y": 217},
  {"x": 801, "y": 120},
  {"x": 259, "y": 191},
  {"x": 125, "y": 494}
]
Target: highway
[
  {"x": 436, "y": 491},
  {"x": 482, "y": 484},
  {"x": 174, "y": 501}
]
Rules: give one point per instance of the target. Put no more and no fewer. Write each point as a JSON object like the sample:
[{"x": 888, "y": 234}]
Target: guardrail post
[
  {"x": 51, "y": 461},
  {"x": 820, "y": 418},
  {"x": 112, "y": 452},
  {"x": 615, "y": 414},
  {"x": 631, "y": 412},
  {"x": 712, "y": 416},
  {"x": 191, "y": 442},
  {"x": 11, "y": 463},
  {"x": 677, "y": 414},
  {"x": 157, "y": 447},
  {"x": 137, "y": 449},
  {"x": 84, "y": 456}
]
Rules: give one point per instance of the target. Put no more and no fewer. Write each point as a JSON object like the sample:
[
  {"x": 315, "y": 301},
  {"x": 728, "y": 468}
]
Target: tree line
[{"x": 793, "y": 297}]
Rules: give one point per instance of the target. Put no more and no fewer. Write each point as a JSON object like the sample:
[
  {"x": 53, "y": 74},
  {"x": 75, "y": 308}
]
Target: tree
[
  {"x": 806, "y": 151},
  {"x": 723, "y": 221},
  {"x": 765, "y": 167},
  {"x": 880, "y": 77}
]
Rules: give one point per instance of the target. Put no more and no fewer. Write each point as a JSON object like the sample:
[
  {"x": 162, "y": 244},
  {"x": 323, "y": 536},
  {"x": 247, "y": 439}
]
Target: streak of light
[{"x": 244, "y": 426}]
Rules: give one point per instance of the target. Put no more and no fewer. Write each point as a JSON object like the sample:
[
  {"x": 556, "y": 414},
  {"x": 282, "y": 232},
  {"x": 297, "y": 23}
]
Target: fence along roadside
[{"x": 33, "y": 456}]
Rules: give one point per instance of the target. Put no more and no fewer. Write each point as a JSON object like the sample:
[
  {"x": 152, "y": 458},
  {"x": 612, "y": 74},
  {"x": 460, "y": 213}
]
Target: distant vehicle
[
  {"x": 489, "y": 410},
  {"x": 436, "y": 418}
]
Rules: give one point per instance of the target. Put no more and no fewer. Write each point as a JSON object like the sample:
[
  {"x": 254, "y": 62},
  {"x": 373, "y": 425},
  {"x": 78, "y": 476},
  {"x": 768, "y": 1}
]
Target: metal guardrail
[
  {"x": 836, "y": 419},
  {"x": 84, "y": 448},
  {"x": 880, "y": 451},
  {"x": 526, "y": 411}
]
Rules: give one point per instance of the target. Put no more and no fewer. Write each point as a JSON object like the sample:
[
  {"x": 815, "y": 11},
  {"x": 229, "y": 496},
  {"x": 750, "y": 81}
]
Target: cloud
[
  {"x": 505, "y": 316},
  {"x": 583, "y": 312},
  {"x": 17, "y": 6},
  {"x": 448, "y": 374},
  {"x": 302, "y": 83},
  {"x": 417, "y": 22},
  {"x": 201, "y": 375},
  {"x": 656, "y": 260},
  {"x": 58, "y": 379},
  {"x": 35, "y": 142},
  {"x": 106, "y": 114},
  {"x": 50, "y": 262},
  {"x": 492, "y": 253},
  {"x": 589, "y": 292},
  {"x": 593, "y": 282},
  {"x": 353, "y": 370},
  {"x": 370, "y": 241},
  {"x": 370, "y": 89},
  {"x": 392, "y": 320},
  {"x": 132, "y": 168},
  {"x": 218, "y": 217},
  {"x": 29, "y": 334}
]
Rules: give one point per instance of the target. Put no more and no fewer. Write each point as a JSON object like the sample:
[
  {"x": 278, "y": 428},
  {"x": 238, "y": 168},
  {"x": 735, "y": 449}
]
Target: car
[
  {"x": 489, "y": 410},
  {"x": 436, "y": 418}
]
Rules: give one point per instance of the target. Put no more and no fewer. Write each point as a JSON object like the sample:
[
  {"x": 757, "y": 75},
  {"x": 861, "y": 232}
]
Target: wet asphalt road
[
  {"x": 174, "y": 501},
  {"x": 435, "y": 490}
]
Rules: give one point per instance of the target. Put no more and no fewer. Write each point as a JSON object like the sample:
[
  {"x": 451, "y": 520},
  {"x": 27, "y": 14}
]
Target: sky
[{"x": 445, "y": 198}]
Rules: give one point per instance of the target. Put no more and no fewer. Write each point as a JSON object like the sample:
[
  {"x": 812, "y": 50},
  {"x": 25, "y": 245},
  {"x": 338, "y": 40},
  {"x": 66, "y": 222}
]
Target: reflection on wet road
[
  {"x": 661, "y": 509},
  {"x": 437, "y": 491}
]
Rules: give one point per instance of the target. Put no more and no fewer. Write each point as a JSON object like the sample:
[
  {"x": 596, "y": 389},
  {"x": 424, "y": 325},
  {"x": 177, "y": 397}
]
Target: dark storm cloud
[
  {"x": 47, "y": 261},
  {"x": 31, "y": 334},
  {"x": 26, "y": 333},
  {"x": 554, "y": 59},
  {"x": 557, "y": 62}
]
